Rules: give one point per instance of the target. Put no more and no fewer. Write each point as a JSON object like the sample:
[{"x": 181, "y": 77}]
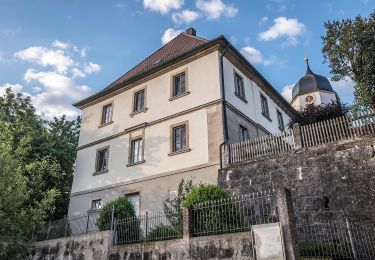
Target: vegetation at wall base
[
  {"x": 37, "y": 164},
  {"x": 164, "y": 232}
]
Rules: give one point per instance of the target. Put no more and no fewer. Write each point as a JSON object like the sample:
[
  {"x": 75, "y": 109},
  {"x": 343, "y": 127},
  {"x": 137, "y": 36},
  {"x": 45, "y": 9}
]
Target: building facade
[{"x": 163, "y": 121}]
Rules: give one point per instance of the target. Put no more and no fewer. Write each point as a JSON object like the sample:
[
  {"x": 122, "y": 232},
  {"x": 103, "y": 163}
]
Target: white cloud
[
  {"x": 46, "y": 57},
  {"x": 345, "y": 89},
  {"x": 263, "y": 20},
  {"x": 162, "y": 6},
  {"x": 287, "y": 92},
  {"x": 279, "y": 4},
  {"x": 16, "y": 88},
  {"x": 185, "y": 16},
  {"x": 92, "y": 68},
  {"x": 61, "y": 45},
  {"x": 52, "y": 77},
  {"x": 214, "y": 9},
  {"x": 255, "y": 56},
  {"x": 169, "y": 34},
  {"x": 284, "y": 27}
]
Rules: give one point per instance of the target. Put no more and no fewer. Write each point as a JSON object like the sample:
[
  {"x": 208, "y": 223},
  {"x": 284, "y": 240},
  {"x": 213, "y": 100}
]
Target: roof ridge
[{"x": 193, "y": 36}]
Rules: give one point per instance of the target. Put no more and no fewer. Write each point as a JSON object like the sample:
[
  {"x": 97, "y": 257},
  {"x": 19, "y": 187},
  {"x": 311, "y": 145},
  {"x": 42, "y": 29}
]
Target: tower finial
[{"x": 307, "y": 63}]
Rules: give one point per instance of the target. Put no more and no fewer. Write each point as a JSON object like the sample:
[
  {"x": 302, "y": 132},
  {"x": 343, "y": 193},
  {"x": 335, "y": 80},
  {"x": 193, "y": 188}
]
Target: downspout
[{"x": 224, "y": 110}]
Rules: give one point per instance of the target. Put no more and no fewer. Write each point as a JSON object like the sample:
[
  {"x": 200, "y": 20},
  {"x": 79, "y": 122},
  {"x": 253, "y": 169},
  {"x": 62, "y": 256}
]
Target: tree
[
  {"x": 349, "y": 48},
  {"x": 313, "y": 114},
  {"x": 172, "y": 204}
]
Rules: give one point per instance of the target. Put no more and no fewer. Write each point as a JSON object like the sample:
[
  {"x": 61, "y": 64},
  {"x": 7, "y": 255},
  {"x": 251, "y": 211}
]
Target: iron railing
[
  {"x": 337, "y": 240},
  {"x": 146, "y": 228},
  {"x": 75, "y": 225},
  {"x": 234, "y": 214}
]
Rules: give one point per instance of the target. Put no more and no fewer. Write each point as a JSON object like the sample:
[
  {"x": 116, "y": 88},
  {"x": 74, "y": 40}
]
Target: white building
[
  {"x": 312, "y": 89},
  {"x": 164, "y": 120}
]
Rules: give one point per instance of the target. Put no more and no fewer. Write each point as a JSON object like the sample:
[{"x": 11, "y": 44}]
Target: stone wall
[
  {"x": 89, "y": 246},
  {"x": 327, "y": 182}
]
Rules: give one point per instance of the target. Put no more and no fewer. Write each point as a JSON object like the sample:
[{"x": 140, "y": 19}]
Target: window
[
  {"x": 179, "y": 138},
  {"x": 139, "y": 100},
  {"x": 106, "y": 114},
  {"x": 102, "y": 160},
  {"x": 239, "y": 86},
  {"x": 136, "y": 150},
  {"x": 280, "y": 120},
  {"x": 134, "y": 200},
  {"x": 264, "y": 104},
  {"x": 244, "y": 135},
  {"x": 96, "y": 204},
  {"x": 179, "y": 85}
]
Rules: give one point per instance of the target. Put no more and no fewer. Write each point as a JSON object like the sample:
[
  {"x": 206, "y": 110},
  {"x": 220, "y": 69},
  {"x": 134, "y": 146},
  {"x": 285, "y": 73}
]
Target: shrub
[
  {"x": 215, "y": 212},
  {"x": 164, "y": 232},
  {"x": 123, "y": 209},
  {"x": 172, "y": 204}
]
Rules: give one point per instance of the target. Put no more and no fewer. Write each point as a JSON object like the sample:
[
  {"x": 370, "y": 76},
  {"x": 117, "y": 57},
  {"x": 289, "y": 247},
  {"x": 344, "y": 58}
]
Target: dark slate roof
[
  {"x": 181, "y": 44},
  {"x": 311, "y": 82}
]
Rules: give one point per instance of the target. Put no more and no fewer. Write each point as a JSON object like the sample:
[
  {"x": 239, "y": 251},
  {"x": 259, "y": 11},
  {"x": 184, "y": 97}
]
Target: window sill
[
  {"x": 135, "y": 163},
  {"x": 241, "y": 97},
  {"x": 179, "y": 152},
  {"x": 103, "y": 125},
  {"x": 181, "y": 95},
  {"x": 99, "y": 173},
  {"x": 267, "y": 117},
  {"x": 143, "y": 110}
]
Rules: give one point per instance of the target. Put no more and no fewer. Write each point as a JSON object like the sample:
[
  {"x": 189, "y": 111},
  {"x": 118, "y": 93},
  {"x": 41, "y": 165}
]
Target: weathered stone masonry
[{"x": 327, "y": 182}]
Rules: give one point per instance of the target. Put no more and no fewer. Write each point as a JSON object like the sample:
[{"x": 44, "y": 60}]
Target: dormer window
[{"x": 106, "y": 114}]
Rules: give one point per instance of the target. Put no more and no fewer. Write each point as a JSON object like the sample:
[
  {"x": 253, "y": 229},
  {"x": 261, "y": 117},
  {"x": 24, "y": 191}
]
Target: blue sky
[{"x": 59, "y": 52}]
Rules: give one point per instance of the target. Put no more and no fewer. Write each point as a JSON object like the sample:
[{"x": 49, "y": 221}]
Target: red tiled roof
[{"x": 176, "y": 47}]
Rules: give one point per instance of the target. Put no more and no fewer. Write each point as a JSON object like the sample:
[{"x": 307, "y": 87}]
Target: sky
[{"x": 61, "y": 51}]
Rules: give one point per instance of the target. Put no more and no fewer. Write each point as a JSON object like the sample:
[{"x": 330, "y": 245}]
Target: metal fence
[
  {"x": 350, "y": 126},
  {"x": 234, "y": 214},
  {"x": 147, "y": 228},
  {"x": 337, "y": 240},
  {"x": 76, "y": 225}
]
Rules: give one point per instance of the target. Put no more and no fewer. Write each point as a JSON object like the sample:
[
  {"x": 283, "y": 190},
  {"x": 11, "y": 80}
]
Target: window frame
[
  {"x": 241, "y": 127},
  {"x": 132, "y": 193},
  {"x": 92, "y": 202},
  {"x": 279, "y": 113},
  {"x": 134, "y": 102},
  {"x": 172, "y": 138},
  {"x": 139, "y": 148},
  {"x": 241, "y": 94},
  {"x": 266, "y": 113},
  {"x": 141, "y": 137},
  {"x": 96, "y": 172},
  {"x": 102, "y": 123},
  {"x": 172, "y": 87}
]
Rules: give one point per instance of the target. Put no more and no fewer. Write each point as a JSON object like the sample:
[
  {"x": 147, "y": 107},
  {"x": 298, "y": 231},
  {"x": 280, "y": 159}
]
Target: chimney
[{"x": 191, "y": 31}]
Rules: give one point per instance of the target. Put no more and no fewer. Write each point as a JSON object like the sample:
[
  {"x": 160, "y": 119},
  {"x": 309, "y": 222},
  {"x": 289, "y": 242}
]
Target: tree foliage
[
  {"x": 37, "y": 163},
  {"x": 313, "y": 114},
  {"x": 172, "y": 204},
  {"x": 204, "y": 193},
  {"x": 349, "y": 48}
]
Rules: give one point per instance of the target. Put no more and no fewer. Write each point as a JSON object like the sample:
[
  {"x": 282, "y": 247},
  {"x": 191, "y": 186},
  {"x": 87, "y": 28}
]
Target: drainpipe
[{"x": 224, "y": 110}]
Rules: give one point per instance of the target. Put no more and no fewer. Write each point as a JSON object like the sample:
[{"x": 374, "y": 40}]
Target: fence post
[
  {"x": 288, "y": 223},
  {"x": 66, "y": 226},
  {"x": 146, "y": 233},
  {"x": 48, "y": 229},
  {"x": 186, "y": 224},
  {"x": 88, "y": 220},
  {"x": 112, "y": 217},
  {"x": 297, "y": 136},
  {"x": 351, "y": 239}
]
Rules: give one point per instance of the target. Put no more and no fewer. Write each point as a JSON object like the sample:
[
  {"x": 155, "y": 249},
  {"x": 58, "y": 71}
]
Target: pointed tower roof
[{"x": 311, "y": 82}]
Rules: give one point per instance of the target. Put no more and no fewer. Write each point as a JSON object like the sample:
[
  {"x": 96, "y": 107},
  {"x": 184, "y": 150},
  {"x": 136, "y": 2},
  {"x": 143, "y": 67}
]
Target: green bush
[
  {"x": 204, "y": 193},
  {"x": 123, "y": 209},
  {"x": 215, "y": 212},
  {"x": 164, "y": 232}
]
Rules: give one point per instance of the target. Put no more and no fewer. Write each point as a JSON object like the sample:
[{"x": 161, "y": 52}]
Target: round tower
[{"x": 312, "y": 89}]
